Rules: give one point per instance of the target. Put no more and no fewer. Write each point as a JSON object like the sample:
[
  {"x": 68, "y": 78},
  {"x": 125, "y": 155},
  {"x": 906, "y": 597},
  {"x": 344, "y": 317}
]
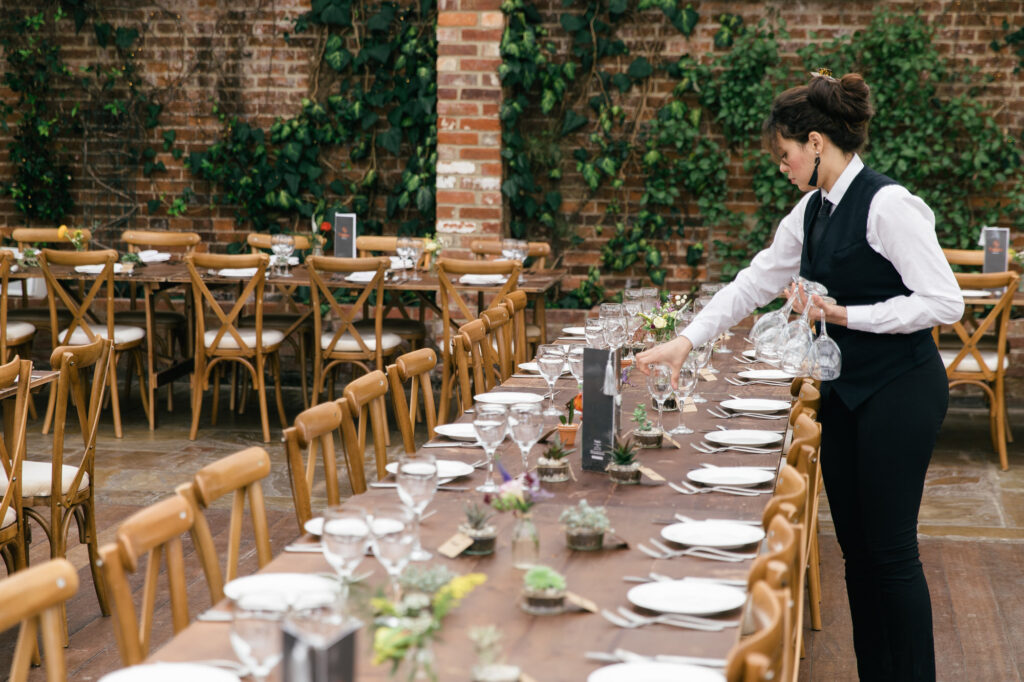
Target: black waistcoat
[{"x": 856, "y": 274}]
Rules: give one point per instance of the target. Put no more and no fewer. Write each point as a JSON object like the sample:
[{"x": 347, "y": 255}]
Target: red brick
[
  {"x": 480, "y": 153},
  {"x": 448, "y": 196},
  {"x": 456, "y": 19},
  {"x": 447, "y": 137}
]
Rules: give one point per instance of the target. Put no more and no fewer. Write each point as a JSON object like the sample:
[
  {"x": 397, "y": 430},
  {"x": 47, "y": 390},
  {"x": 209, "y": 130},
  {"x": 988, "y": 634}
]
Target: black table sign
[
  {"x": 345, "y": 235},
  {"x": 600, "y": 411}
]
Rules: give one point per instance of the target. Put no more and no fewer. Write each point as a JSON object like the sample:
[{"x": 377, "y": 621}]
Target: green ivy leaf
[
  {"x": 391, "y": 140},
  {"x": 622, "y": 82},
  {"x": 572, "y": 23},
  {"x": 640, "y": 69},
  {"x": 103, "y": 32},
  {"x": 124, "y": 37},
  {"x": 572, "y": 122}
]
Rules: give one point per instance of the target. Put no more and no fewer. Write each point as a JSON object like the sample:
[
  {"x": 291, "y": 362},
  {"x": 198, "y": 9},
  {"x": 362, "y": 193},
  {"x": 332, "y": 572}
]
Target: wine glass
[
  {"x": 415, "y": 251},
  {"x": 345, "y": 538},
  {"x": 651, "y": 297},
  {"x": 551, "y": 361},
  {"x": 772, "y": 320},
  {"x": 684, "y": 387},
  {"x": 416, "y": 480},
  {"x": 659, "y": 383},
  {"x": 509, "y": 249},
  {"x": 594, "y": 333},
  {"x": 525, "y": 423},
  {"x": 256, "y": 631},
  {"x": 391, "y": 537},
  {"x": 402, "y": 247},
  {"x": 575, "y": 358},
  {"x": 522, "y": 250},
  {"x": 827, "y": 359},
  {"x": 490, "y": 421},
  {"x": 282, "y": 246},
  {"x": 702, "y": 354}
]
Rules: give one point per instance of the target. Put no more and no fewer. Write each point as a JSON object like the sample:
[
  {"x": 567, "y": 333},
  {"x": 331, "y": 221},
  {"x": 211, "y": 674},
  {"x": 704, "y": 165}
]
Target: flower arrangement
[
  {"x": 517, "y": 494},
  {"x": 1016, "y": 257},
  {"x": 661, "y": 322},
  {"x": 76, "y": 237},
  {"x": 584, "y": 517},
  {"x": 29, "y": 258}
]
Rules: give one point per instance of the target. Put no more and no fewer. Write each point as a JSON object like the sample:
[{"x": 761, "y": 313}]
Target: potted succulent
[
  {"x": 543, "y": 591},
  {"x": 489, "y": 666},
  {"x": 553, "y": 465},
  {"x": 585, "y": 526},
  {"x": 567, "y": 429},
  {"x": 623, "y": 467},
  {"x": 645, "y": 433},
  {"x": 129, "y": 261},
  {"x": 478, "y": 526}
]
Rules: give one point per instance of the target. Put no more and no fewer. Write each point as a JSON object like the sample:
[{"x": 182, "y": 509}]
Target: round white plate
[
  {"x": 755, "y": 405},
  {"x": 508, "y": 398},
  {"x": 461, "y": 431},
  {"x": 170, "y": 672},
  {"x": 446, "y": 468},
  {"x": 574, "y": 331},
  {"x": 765, "y": 374},
  {"x": 744, "y": 437},
  {"x": 750, "y": 354},
  {"x": 690, "y": 597},
  {"x": 975, "y": 293},
  {"x": 742, "y": 477},
  {"x": 292, "y": 585},
  {"x": 719, "y": 534},
  {"x": 535, "y": 368},
  {"x": 315, "y": 526},
  {"x": 652, "y": 671}
]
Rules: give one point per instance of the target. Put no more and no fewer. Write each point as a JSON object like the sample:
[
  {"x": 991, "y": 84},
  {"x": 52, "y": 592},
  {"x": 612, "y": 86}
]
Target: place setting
[
  {"x": 752, "y": 408},
  {"x": 761, "y": 377},
  {"x": 751, "y": 441},
  {"x": 712, "y": 539}
]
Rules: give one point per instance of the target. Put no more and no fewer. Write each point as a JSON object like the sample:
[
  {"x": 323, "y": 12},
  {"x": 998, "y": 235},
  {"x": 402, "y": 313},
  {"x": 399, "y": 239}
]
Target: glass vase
[
  {"x": 419, "y": 664},
  {"x": 525, "y": 542}
]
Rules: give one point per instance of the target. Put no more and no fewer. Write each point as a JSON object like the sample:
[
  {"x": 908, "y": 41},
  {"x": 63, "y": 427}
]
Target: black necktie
[{"x": 819, "y": 227}]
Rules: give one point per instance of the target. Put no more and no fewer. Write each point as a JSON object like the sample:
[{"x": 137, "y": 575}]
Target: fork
[
  {"x": 749, "y": 449},
  {"x": 755, "y": 382},
  {"x": 682, "y": 617},
  {"x": 733, "y": 489},
  {"x": 698, "y": 552},
  {"x": 630, "y": 624},
  {"x": 712, "y": 550},
  {"x": 740, "y": 492},
  {"x": 722, "y": 414}
]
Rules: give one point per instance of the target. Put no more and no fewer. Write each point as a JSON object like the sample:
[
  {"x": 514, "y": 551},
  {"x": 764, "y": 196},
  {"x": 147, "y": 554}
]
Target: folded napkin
[
  {"x": 399, "y": 263},
  {"x": 361, "y": 276},
  {"x": 237, "y": 272},
  {"x": 292, "y": 260},
  {"x": 153, "y": 256},
  {"x": 95, "y": 269},
  {"x": 14, "y": 251},
  {"x": 483, "y": 280}
]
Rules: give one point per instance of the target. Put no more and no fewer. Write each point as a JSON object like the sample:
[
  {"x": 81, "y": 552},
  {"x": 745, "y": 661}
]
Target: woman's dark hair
[{"x": 837, "y": 107}]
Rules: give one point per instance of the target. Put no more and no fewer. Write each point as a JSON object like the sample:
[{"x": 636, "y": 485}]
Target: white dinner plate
[
  {"x": 690, "y": 597},
  {"x": 652, "y": 671},
  {"x": 170, "y": 672},
  {"x": 315, "y": 526},
  {"x": 752, "y": 437},
  {"x": 574, "y": 331},
  {"x": 750, "y": 354},
  {"x": 291, "y": 585},
  {"x": 742, "y": 477},
  {"x": 755, "y": 405},
  {"x": 154, "y": 256},
  {"x": 461, "y": 431},
  {"x": 719, "y": 534},
  {"x": 508, "y": 397},
  {"x": 533, "y": 367},
  {"x": 237, "y": 272},
  {"x": 446, "y": 468},
  {"x": 361, "y": 276},
  {"x": 975, "y": 293},
  {"x": 765, "y": 375}
]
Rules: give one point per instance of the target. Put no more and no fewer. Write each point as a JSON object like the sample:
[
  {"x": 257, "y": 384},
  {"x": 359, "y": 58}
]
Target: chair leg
[
  {"x": 275, "y": 368},
  {"x": 234, "y": 386},
  {"x": 303, "y": 345},
  {"x": 147, "y": 406},
  {"x": 999, "y": 410},
  {"x": 115, "y": 399},
  {"x": 216, "y": 394},
  {"x": 814, "y": 583},
  {"x": 197, "y": 400},
  {"x": 261, "y": 389}
]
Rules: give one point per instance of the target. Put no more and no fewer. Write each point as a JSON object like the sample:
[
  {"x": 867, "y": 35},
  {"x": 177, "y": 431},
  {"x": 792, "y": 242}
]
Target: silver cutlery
[
  {"x": 682, "y": 617},
  {"x": 697, "y": 552},
  {"x": 452, "y": 444},
  {"x": 755, "y": 382},
  {"x": 451, "y": 488},
  {"x": 749, "y": 449},
  {"x": 665, "y": 549},
  {"x": 722, "y": 414},
  {"x": 708, "y": 465},
  {"x": 737, "y": 582},
  {"x": 687, "y": 519},
  {"x": 688, "y": 489},
  {"x": 623, "y": 656},
  {"x": 641, "y": 621}
]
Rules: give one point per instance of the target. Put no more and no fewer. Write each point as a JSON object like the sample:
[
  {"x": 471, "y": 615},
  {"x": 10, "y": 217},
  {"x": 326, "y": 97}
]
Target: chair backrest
[
  {"x": 969, "y": 257},
  {"x": 807, "y": 398},
  {"x": 970, "y": 363},
  {"x": 27, "y": 236},
  {"x": 806, "y": 431},
  {"x": 153, "y": 534},
  {"x": 6, "y": 261},
  {"x": 538, "y": 251},
  {"x": 365, "y": 397},
  {"x": 780, "y": 567},
  {"x": 414, "y": 367},
  {"x": 367, "y": 245},
  {"x": 758, "y": 657},
  {"x": 313, "y": 433},
  {"x": 789, "y": 499},
  {"x": 500, "y": 334},
  {"x": 323, "y": 269},
  {"x": 261, "y": 241},
  {"x": 59, "y": 297},
  {"x": 476, "y": 362},
  {"x": 449, "y": 270},
  {"x": 227, "y": 323},
  {"x": 15, "y": 373},
  {"x": 160, "y": 238},
  {"x": 515, "y": 303},
  {"x": 33, "y": 597},
  {"x": 239, "y": 474}
]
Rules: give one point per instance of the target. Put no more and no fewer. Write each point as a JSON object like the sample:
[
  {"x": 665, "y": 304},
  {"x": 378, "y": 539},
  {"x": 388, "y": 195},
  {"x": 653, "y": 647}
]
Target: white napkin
[
  {"x": 96, "y": 269},
  {"x": 13, "y": 250},
  {"x": 361, "y": 276},
  {"x": 153, "y": 256},
  {"x": 399, "y": 263},
  {"x": 483, "y": 280},
  {"x": 237, "y": 272}
]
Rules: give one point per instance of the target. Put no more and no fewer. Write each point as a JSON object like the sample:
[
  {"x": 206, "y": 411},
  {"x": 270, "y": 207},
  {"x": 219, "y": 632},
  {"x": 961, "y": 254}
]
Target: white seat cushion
[
  {"x": 19, "y": 330},
  {"x": 970, "y": 363},
  {"x": 9, "y": 518},
  {"x": 122, "y": 334},
  {"x": 35, "y": 479},
  {"x": 348, "y": 344},
  {"x": 271, "y": 337},
  {"x": 532, "y": 331},
  {"x": 398, "y": 326}
]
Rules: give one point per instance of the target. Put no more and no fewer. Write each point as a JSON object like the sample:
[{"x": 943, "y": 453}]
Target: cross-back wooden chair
[
  {"x": 809, "y": 466},
  {"x": 56, "y": 494},
  {"x": 538, "y": 251},
  {"x": 758, "y": 658},
  {"x": 17, "y": 373},
  {"x": 15, "y": 335},
  {"x": 778, "y": 566},
  {"x": 366, "y": 403},
  {"x": 227, "y": 341},
  {"x": 364, "y": 345},
  {"x": 30, "y": 236},
  {"x": 968, "y": 257},
  {"x": 128, "y": 339},
  {"x": 975, "y": 362},
  {"x": 240, "y": 475},
  {"x": 500, "y": 335},
  {"x": 414, "y": 367},
  {"x": 789, "y": 498},
  {"x": 806, "y": 431},
  {"x": 455, "y": 311},
  {"x": 411, "y": 330},
  {"x": 525, "y": 337},
  {"x": 312, "y": 436},
  {"x": 35, "y": 598},
  {"x": 151, "y": 536},
  {"x": 476, "y": 363}
]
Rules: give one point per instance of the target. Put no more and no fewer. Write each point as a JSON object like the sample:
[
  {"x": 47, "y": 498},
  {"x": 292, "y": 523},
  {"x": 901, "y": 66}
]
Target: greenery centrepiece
[{"x": 585, "y": 526}]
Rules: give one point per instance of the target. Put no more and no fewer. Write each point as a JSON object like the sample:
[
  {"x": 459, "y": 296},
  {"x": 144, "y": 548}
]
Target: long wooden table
[{"x": 551, "y": 647}]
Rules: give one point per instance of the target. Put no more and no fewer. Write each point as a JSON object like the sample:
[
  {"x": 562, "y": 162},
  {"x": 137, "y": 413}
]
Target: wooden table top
[
  {"x": 39, "y": 377},
  {"x": 551, "y": 647}
]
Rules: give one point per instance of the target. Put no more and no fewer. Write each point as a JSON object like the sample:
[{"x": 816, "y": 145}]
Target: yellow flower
[
  {"x": 459, "y": 586},
  {"x": 62, "y": 231},
  {"x": 659, "y": 322}
]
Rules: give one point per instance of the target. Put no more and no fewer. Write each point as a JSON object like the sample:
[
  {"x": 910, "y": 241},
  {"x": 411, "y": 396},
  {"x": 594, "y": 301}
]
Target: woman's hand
[
  {"x": 834, "y": 314},
  {"x": 673, "y": 354}
]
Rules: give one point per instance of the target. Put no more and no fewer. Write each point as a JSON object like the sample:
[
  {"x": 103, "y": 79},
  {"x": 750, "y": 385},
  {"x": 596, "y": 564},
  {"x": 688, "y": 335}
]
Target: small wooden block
[
  {"x": 651, "y": 473},
  {"x": 581, "y": 602},
  {"x": 455, "y": 545}
]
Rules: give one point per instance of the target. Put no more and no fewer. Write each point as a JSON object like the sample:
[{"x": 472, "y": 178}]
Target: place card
[
  {"x": 707, "y": 375},
  {"x": 651, "y": 473},
  {"x": 581, "y": 602},
  {"x": 689, "y": 405},
  {"x": 455, "y": 545},
  {"x": 601, "y": 422},
  {"x": 345, "y": 235}
]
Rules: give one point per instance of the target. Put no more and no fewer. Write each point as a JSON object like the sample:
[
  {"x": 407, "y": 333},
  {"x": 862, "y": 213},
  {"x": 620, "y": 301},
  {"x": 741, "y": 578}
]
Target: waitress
[{"x": 872, "y": 244}]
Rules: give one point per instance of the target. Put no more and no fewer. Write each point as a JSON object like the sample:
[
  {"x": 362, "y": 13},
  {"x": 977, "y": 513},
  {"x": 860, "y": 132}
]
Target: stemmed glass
[
  {"x": 510, "y": 249},
  {"x": 576, "y": 365},
  {"x": 551, "y": 361},
  {"x": 522, "y": 250},
  {"x": 415, "y": 250},
  {"x": 615, "y": 337},
  {"x": 256, "y": 631},
  {"x": 416, "y": 480},
  {"x": 659, "y": 383},
  {"x": 651, "y": 298},
  {"x": 490, "y": 421},
  {"x": 773, "y": 320},
  {"x": 702, "y": 354},
  {"x": 594, "y": 333},
  {"x": 684, "y": 387},
  {"x": 827, "y": 359},
  {"x": 282, "y": 246},
  {"x": 525, "y": 423},
  {"x": 633, "y": 304},
  {"x": 346, "y": 536},
  {"x": 392, "y": 540},
  {"x": 402, "y": 247}
]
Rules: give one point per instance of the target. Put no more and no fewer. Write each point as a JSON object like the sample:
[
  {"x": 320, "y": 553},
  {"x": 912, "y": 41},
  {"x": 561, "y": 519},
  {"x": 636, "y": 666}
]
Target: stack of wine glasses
[
  {"x": 282, "y": 246},
  {"x": 551, "y": 359}
]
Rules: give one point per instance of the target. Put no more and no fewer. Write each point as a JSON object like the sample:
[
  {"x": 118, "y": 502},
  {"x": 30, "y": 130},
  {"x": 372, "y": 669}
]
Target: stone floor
[{"x": 972, "y": 536}]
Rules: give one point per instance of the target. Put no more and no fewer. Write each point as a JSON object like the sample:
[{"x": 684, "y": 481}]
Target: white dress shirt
[{"x": 901, "y": 228}]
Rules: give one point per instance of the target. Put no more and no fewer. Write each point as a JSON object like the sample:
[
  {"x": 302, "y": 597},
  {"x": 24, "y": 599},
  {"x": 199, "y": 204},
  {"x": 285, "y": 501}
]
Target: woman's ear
[{"x": 817, "y": 141}]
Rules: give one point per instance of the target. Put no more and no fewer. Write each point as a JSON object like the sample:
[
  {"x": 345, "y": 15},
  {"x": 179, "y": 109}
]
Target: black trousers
[{"x": 873, "y": 462}]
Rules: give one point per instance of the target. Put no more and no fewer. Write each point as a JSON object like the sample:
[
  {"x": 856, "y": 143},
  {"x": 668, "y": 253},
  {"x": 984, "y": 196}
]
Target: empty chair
[
  {"x": 12, "y": 520},
  {"x": 240, "y": 475},
  {"x": 807, "y": 463},
  {"x": 789, "y": 498},
  {"x": 538, "y": 251},
  {"x": 525, "y": 337},
  {"x": 365, "y": 397},
  {"x": 14, "y": 335},
  {"x": 500, "y": 334},
  {"x": 34, "y": 598},
  {"x": 969, "y": 257},
  {"x": 50, "y": 236},
  {"x": 414, "y": 367},
  {"x": 476, "y": 363},
  {"x": 779, "y": 567},
  {"x": 758, "y": 658},
  {"x": 409, "y": 329}
]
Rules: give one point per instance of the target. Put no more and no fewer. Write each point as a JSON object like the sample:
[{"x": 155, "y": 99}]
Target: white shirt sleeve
[
  {"x": 768, "y": 274},
  {"x": 901, "y": 228}
]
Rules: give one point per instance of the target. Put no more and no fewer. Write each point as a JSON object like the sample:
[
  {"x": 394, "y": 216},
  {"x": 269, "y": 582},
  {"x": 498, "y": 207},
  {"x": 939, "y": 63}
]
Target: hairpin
[{"x": 823, "y": 73}]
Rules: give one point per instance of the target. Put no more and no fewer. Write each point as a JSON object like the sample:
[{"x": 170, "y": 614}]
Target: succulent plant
[
  {"x": 584, "y": 517},
  {"x": 570, "y": 412},
  {"x": 477, "y": 515},
  {"x": 641, "y": 420},
  {"x": 487, "y": 642},
  {"x": 541, "y": 578},
  {"x": 556, "y": 451},
  {"x": 622, "y": 452},
  {"x": 131, "y": 258},
  {"x": 426, "y": 579}
]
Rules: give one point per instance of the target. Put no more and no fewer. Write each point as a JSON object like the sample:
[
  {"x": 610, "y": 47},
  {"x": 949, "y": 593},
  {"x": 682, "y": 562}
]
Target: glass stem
[
  {"x": 661, "y": 406},
  {"x": 490, "y": 467},
  {"x": 417, "y": 547},
  {"x": 525, "y": 450}
]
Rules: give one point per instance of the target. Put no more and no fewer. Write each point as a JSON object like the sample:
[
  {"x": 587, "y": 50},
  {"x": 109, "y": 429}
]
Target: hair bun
[{"x": 846, "y": 99}]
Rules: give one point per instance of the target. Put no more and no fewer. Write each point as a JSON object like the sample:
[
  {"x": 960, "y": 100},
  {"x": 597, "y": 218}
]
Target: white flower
[
  {"x": 659, "y": 322},
  {"x": 430, "y": 245}
]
